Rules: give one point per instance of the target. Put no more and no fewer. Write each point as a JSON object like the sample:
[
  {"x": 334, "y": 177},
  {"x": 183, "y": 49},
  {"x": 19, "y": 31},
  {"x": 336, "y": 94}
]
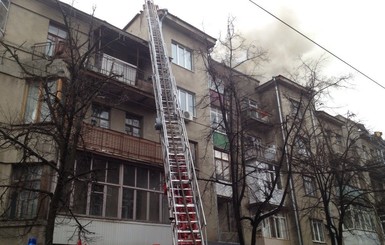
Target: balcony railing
[
  {"x": 119, "y": 69},
  {"x": 262, "y": 153},
  {"x": 48, "y": 50},
  {"x": 257, "y": 114},
  {"x": 121, "y": 145}
]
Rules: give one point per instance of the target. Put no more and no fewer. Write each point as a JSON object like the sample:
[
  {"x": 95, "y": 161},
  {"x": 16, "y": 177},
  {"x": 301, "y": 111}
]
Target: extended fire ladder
[{"x": 186, "y": 212}]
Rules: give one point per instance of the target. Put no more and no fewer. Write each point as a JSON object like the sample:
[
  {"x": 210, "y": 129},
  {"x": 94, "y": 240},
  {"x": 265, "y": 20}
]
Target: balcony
[
  {"x": 257, "y": 115},
  {"x": 253, "y": 115},
  {"x": 262, "y": 153},
  {"x": 118, "y": 69},
  {"x": 121, "y": 145}
]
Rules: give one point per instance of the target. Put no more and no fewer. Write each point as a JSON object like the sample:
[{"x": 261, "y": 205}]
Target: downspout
[{"x": 292, "y": 194}]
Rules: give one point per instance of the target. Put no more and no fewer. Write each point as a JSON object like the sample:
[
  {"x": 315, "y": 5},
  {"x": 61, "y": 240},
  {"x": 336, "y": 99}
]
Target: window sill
[{"x": 184, "y": 68}]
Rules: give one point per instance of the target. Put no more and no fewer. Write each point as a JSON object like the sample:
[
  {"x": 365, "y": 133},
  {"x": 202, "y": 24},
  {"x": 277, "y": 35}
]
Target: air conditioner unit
[{"x": 188, "y": 116}]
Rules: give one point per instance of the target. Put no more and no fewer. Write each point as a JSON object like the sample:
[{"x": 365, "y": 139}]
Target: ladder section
[{"x": 186, "y": 212}]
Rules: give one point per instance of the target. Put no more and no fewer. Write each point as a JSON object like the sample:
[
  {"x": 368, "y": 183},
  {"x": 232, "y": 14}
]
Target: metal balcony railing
[
  {"x": 262, "y": 152},
  {"x": 121, "y": 145},
  {"x": 257, "y": 114},
  {"x": 119, "y": 69}
]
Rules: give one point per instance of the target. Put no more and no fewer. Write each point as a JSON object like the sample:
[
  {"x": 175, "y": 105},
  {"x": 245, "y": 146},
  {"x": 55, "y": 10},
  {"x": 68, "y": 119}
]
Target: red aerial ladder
[{"x": 184, "y": 200}]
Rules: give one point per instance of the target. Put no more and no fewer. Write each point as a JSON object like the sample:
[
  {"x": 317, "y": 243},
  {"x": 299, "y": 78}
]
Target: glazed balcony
[
  {"x": 262, "y": 153},
  {"x": 121, "y": 145}
]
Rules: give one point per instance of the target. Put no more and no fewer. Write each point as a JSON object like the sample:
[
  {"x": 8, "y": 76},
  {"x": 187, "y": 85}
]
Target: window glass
[
  {"x": 80, "y": 201},
  {"x": 181, "y": 56},
  {"x": 133, "y": 125},
  {"x": 186, "y": 101},
  {"x": 155, "y": 180},
  {"x": 129, "y": 175},
  {"x": 222, "y": 165},
  {"x": 113, "y": 172},
  {"x": 141, "y": 205},
  {"x": 137, "y": 192},
  {"x": 99, "y": 169},
  {"x": 4, "y": 6},
  {"x": 317, "y": 230},
  {"x": 142, "y": 177},
  {"x": 128, "y": 204},
  {"x": 100, "y": 116},
  {"x": 37, "y": 109},
  {"x": 112, "y": 201},
  {"x": 96, "y": 204},
  {"x": 154, "y": 207},
  {"x": 23, "y": 203}
]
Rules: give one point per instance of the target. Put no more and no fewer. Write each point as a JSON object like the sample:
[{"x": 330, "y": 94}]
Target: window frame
[
  {"x": 132, "y": 126},
  {"x": 295, "y": 106},
  {"x": 184, "y": 59},
  {"x": 276, "y": 227},
  {"x": 228, "y": 220},
  {"x": 222, "y": 165},
  {"x": 186, "y": 101},
  {"x": 20, "y": 200},
  {"x": 317, "y": 230},
  {"x": 35, "y": 107},
  {"x": 97, "y": 118},
  {"x": 5, "y": 5},
  {"x": 55, "y": 40},
  {"x": 309, "y": 186},
  {"x": 129, "y": 180},
  {"x": 216, "y": 120}
]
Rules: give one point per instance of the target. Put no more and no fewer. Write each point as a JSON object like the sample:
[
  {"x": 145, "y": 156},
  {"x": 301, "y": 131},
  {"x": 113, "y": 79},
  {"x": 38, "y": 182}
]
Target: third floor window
[{"x": 181, "y": 56}]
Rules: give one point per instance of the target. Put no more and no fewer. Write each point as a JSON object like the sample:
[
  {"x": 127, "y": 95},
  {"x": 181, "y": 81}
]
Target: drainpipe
[{"x": 292, "y": 194}]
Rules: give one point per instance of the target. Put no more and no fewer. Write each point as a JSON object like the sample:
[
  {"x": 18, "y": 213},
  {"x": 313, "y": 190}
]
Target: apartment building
[{"x": 113, "y": 191}]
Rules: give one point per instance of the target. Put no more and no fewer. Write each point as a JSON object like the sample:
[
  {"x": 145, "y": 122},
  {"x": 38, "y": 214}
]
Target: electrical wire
[{"x": 314, "y": 42}]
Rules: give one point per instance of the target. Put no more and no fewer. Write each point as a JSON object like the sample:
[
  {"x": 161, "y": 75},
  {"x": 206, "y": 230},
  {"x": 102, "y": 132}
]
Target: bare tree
[
  {"x": 48, "y": 137},
  {"x": 339, "y": 175},
  {"x": 253, "y": 172}
]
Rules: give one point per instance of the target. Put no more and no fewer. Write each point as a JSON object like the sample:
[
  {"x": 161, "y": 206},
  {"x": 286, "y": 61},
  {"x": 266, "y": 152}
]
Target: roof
[
  {"x": 326, "y": 116},
  {"x": 182, "y": 26},
  {"x": 284, "y": 82},
  {"x": 100, "y": 23}
]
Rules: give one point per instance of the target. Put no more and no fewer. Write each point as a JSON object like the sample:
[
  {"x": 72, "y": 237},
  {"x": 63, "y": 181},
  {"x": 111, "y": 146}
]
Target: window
[
  {"x": 309, "y": 184},
  {"x": 56, "y": 39},
  {"x": 295, "y": 107},
  {"x": 187, "y": 101},
  {"x": 226, "y": 215},
  {"x": 275, "y": 227},
  {"x": 273, "y": 175},
  {"x": 317, "y": 230},
  {"x": 302, "y": 146},
  {"x": 100, "y": 116},
  {"x": 37, "y": 109},
  {"x": 217, "y": 120},
  {"x": 181, "y": 56},
  {"x": 194, "y": 152},
  {"x": 23, "y": 202},
  {"x": 4, "y": 7},
  {"x": 133, "y": 125},
  {"x": 359, "y": 218},
  {"x": 120, "y": 191},
  {"x": 222, "y": 165}
]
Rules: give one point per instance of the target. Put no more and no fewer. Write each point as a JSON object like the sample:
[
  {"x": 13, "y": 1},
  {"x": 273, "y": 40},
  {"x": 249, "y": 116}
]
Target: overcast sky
[{"x": 352, "y": 30}]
